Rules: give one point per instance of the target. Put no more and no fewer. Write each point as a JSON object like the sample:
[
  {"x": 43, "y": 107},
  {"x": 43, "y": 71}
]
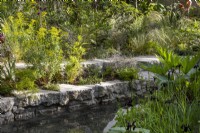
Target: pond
[{"x": 90, "y": 120}]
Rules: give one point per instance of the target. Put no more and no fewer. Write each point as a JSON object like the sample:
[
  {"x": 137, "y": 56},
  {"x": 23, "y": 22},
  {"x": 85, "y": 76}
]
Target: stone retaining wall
[{"x": 26, "y": 106}]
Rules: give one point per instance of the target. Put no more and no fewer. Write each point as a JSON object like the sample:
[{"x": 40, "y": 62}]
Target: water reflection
[{"x": 92, "y": 120}]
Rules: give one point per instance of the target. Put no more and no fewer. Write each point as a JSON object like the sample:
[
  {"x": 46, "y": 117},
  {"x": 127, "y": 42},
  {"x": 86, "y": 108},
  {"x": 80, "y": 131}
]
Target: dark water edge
[{"x": 90, "y": 120}]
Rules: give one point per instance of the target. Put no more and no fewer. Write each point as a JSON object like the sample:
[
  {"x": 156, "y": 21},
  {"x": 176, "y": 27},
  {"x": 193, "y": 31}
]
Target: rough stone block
[
  {"x": 6, "y": 104},
  {"x": 64, "y": 99},
  {"x": 6, "y": 118},
  {"x": 100, "y": 91},
  {"x": 25, "y": 116}
]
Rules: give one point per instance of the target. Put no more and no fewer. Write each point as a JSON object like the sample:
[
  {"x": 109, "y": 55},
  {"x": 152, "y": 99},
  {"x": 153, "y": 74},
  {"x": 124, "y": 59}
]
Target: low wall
[{"x": 26, "y": 106}]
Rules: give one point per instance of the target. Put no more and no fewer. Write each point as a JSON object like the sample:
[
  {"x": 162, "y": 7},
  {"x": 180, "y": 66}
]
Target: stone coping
[
  {"x": 100, "y": 62},
  {"x": 68, "y": 87}
]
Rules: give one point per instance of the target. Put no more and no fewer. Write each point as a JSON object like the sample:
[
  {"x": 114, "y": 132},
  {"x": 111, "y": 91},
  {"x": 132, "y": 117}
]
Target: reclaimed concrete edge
[{"x": 24, "y": 106}]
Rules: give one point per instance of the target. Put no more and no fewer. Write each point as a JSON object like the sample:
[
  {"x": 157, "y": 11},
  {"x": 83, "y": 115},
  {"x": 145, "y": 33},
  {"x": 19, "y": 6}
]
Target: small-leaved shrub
[
  {"x": 109, "y": 73},
  {"x": 127, "y": 74},
  {"x": 25, "y": 79},
  {"x": 73, "y": 68},
  {"x": 90, "y": 75},
  {"x": 53, "y": 87}
]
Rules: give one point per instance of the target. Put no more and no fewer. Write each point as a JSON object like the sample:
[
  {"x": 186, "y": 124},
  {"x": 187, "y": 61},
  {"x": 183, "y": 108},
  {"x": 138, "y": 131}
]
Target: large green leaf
[{"x": 189, "y": 62}]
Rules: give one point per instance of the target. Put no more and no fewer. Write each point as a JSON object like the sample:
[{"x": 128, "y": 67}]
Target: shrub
[
  {"x": 53, "y": 87},
  {"x": 127, "y": 74},
  {"x": 37, "y": 46},
  {"x": 6, "y": 87},
  {"x": 58, "y": 77},
  {"x": 109, "y": 73},
  {"x": 89, "y": 80},
  {"x": 25, "y": 80},
  {"x": 91, "y": 75},
  {"x": 73, "y": 68},
  {"x": 44, "y": 53}
]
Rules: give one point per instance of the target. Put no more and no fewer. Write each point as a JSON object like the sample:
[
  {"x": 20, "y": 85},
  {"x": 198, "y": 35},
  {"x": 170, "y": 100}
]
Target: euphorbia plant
[
  {"x": 44, "y": 52},
  {"x": 38, "y": 46},
  {"x": 73, "y": 68}
]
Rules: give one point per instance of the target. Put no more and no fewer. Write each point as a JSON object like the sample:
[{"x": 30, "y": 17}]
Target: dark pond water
[{"x": 92, "y": 120}]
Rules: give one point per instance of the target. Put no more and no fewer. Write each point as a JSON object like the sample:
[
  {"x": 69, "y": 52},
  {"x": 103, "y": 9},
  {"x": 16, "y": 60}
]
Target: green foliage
[
  {"x": 39, "y": 47},
  {"x": 6, "y": 88},
  {"x": 172, "y": 68},
  {"x": 53, "y": 87},
  {"x": 111, "y": 27},
  {"x": 168, "y": 58},
  {"x": 107, "y": 25},
  {"x": 190, "y": 34},
  {"x": 175, "y": 107},
  {"x": 127, "y": 74},
  {"x": 58, "y": 77},
  {"x": 89, "y": 80},
  {"x": 5, "y": 8},
  {"x": 140, "y": 46},
  {"x": 25, "y": 80},
  {"x": 73, "y": 67},
  {"x": 104, "y": 28},
  {"x": 121, "y": 73},
  {"x": 44, "y": 53},
  {"x": 7, "y": 73},
  {"x": 90, "y": 75},
  {"x": 7, "y": 68},
  {"x": 109, "y": 73},
  {"x": 160, "y": 117},
  {"x": 15, "y": 33}
]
